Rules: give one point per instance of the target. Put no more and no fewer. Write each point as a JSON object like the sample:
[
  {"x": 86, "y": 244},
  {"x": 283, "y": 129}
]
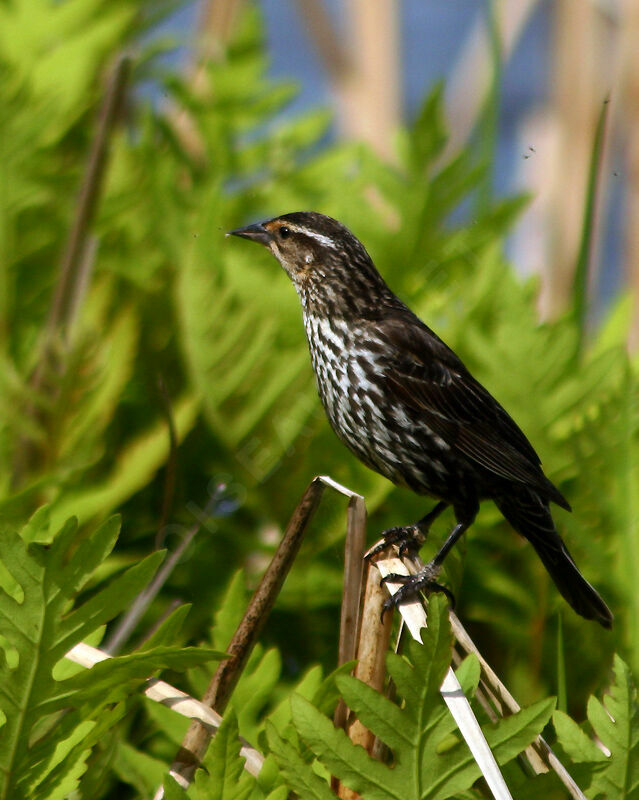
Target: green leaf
[
  {"x": 116, "y": 678},
  {"x": 296, "y": 772},
  {"x": 582, "y": 269},
  {"x": 168, "y": 630},
  {"x": 141, "y": 771},
  {"x": 136, "y": 464},
  {"x": 223, "y": 776},
  {"x": 429, "y": 135},
  {"x": 574, "y": 740},
  {"x": 40, "y": 629},
  {"x": 429, "y": 762},
  {"x": 616, "y": 723},
  {"x": 511, "y": 735},
  {"x": 349, "y": 762},
  {"x": 230, "y": 611},
  {"x": 172, "y": 789}
]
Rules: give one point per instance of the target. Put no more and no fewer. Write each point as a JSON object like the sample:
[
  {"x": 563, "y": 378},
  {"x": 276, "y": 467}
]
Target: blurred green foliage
[{"x": 179, "y": 327}]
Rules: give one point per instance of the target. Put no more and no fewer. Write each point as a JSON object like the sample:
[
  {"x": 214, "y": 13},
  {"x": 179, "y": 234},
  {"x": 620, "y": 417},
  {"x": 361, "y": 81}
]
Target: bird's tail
[{"x": 530, "y": 516}]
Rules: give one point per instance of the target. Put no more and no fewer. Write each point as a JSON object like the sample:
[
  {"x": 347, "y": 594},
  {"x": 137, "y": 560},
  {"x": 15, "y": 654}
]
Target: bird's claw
[
  {"x": 412, "y": 585},
  {"x": 409, "y": 538}
]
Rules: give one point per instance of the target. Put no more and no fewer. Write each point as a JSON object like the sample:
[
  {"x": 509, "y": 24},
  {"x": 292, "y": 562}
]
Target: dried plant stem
[
  {"x": 353, "y": 574},
  {"x": 352, "y": 590},
  {"x": 127, "y": 624},
  {"x": 363, "y": 67},
  {"x": 228, "y": 673},
  {"x": 176, "y": 700},
  {"x": 576, "y": 89},
  {"x": 79, "y": 251},
  {"x": 89, "y": 194},
  {"x": 471, "y": 78},
  {"x": 539, "y": 754},
  {"x": 372, "y": 647},
  {"x": 495, "y": 695},
  {"x": 414, "y": 615}
]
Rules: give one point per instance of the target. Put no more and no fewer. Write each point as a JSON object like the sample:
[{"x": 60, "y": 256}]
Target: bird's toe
[
  {"x": 413, "y": 585},
  {"x": 409, "y": 538}
]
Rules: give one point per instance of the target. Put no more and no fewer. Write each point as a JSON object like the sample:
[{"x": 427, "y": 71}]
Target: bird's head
[{"x": 314, "y": 250}]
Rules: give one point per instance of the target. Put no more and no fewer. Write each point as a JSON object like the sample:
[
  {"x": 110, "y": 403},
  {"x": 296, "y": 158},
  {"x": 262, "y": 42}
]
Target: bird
[{"x": 405, "y": 404}]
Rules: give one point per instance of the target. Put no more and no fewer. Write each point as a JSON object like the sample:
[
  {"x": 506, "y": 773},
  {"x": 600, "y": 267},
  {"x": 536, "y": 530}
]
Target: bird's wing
[{"x": 426, "y": 375}]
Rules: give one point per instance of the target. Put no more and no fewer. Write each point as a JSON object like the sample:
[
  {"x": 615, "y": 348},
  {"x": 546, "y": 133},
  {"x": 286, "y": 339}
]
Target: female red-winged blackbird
[{"x": 404, "y": 403}]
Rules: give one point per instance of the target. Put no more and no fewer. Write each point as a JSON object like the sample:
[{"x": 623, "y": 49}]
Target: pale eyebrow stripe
[{"x": 319, "y": 237}]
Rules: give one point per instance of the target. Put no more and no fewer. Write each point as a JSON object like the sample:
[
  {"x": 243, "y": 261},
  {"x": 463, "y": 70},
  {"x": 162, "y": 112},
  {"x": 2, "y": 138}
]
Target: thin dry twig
[
  {"x": 127, "y": 624},
  {"x": 353, "y": 572},
  {"x": 352, "y": 590},
  {"x": 79, "y": 251},
  {"x": 178, "y": 701},
  {"x": 228, "y": 673},
  {"x": 89, "y": 193},
  {"x": 374, "y": 640},
  {"x": 539, "y": 754}
]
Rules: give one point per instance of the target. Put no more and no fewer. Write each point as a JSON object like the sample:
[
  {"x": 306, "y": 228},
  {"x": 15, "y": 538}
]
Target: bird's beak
[{"x": 256, "y": 233}]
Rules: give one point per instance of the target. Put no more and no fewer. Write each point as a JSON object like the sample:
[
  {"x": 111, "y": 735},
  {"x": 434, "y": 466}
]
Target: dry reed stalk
[
  {"x": 470, "y": 82},
  {"x": 576, "y": 100},
  {"x": 495, "y": 695},
  {"x": 352, "y": 589},
  {"x": 175, "y": 699},
  {"x": 363, "y": 67},
  {"x": 370, "y": 94},
  {"x": 79, "y": 253},
  {"x": 629, "y": 79},
  {"x": 372, "y": 648},
  {"x": 224, "y": 680},
  {"x": 496, "y": 699},
  {"x": 374, "y": 640}
]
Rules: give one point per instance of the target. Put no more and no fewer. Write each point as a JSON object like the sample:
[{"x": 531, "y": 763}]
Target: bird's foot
[
  {"x": 411, "y": 585},
  {"x": 409, "y": 538}
]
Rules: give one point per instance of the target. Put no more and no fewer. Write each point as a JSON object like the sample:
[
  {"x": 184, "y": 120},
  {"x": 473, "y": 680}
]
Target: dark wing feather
[{"x": 426, "y": 375}]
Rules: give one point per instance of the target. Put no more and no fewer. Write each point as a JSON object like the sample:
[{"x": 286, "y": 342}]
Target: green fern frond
[{"x": 40, "y": 621}]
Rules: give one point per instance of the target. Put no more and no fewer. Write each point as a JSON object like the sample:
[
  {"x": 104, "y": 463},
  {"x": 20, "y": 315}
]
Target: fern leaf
[
  {"x": 296, "y": 772},
  {"x": 223, "y": 777},
  {"x": 430, "y": 762},
  {"x": 40, "y": 621},
  {"x": 616, "y": 723}
]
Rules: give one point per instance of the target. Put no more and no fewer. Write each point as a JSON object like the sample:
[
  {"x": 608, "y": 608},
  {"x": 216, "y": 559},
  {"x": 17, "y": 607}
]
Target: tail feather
[{"x": 530, "y": 516}]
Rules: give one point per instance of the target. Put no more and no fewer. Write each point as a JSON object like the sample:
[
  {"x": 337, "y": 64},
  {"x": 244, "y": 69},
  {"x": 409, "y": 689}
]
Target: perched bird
[{"x": 407, "y": 407}]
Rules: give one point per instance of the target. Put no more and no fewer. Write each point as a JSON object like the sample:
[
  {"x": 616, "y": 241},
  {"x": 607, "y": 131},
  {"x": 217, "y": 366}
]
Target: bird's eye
[{"x": 284, "y": 232}]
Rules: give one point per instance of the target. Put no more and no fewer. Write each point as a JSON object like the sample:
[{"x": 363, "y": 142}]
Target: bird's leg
[
  {"x": 426, "y": 578},
  {"x": 454, "y": 536},
  {"x": 409, "y": 537}
]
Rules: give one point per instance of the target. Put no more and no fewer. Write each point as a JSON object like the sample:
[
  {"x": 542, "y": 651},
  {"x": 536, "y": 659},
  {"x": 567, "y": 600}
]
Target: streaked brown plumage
[{"x": 405, "y": 404}]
